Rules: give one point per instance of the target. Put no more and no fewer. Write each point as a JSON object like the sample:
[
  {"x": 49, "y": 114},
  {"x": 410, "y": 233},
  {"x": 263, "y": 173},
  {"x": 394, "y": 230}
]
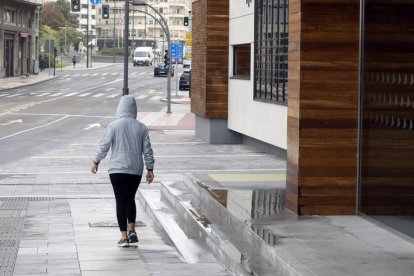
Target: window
[
  {"x": 241, "y": 61},
  {"x": 9, "y": 16},
  {"x": 271, "y": 51}
]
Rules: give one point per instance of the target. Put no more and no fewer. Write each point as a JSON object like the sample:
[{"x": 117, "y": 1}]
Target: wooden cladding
[
  {"x": 322, "y": 106},
  {"x": 209, "y": 74}
]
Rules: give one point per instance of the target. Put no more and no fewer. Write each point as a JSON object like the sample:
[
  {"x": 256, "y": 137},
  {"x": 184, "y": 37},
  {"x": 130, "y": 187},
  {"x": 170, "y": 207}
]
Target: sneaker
[
  {"x": 123, "y": 242},
  {"x": 132, "y": 235}
]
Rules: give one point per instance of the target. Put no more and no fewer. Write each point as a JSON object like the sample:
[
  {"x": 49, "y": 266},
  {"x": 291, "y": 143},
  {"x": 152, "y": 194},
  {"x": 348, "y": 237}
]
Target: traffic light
[
  {"x": 186, "y": 21},
  {"x": 55, "y": 50},
  {"x": 105, "y": 11},
  {"x": 166, "y": 59},
  {"x": 75, "y": 5}
]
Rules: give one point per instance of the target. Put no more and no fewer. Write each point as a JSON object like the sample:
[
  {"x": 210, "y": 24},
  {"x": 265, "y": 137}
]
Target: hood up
[{"x": 127, "y": 107}]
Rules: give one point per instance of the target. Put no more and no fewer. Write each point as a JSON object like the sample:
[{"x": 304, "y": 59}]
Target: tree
[{"x": 57, "y": 14}]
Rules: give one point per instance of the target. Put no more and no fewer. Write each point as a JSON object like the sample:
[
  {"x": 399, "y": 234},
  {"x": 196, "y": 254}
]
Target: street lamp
[
  {"x": 167, "y": 32},
  {"x": 65, "y": 36}
]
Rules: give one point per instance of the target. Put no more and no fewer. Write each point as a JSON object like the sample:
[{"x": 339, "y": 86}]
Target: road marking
[
  {"x": 12, "y": 95},
  {"x": 89, "y": 126},
  {"x": 104, "y": 74},
  {"x": 141, "y": 97},
  {"x": 70, "y": 94},
  {"x": 84, "y": 94},
  {"x": 155, "y": 98},
  {"x": 109, "y": 89},
  {"x": 30, "y": 129},
  {"x": 76, "y": 75},
  {"x": 12, "y": 122},
  {"x": 64, "y": 89},
  {"x": 3, "y": 95},
  {"x": 56, "y": 94},
  {"x": 43, "y": 94},
  {"x": 112, "y": 96},
  {"x": 114, "y": 74},
  {"x": 142, "y": 73},
  {"x": 94, "y": 74},
  {"x": 65, "y": 76},
  {"x": 98, "y": 95},
  {"x": 103, "y": 78},
  {"x": 84, "y": 75}
]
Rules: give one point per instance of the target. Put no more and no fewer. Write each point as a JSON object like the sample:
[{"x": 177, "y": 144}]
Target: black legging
[{"x": 125, "y": 187}]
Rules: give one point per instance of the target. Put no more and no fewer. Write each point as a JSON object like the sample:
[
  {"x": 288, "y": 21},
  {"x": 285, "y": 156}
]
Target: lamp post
[
  {"x": 64, "y": 49},
  {"x": 125, "y": 90},
  {"x": 167, "y": 32},
  {"x": 65, "y": 37}
]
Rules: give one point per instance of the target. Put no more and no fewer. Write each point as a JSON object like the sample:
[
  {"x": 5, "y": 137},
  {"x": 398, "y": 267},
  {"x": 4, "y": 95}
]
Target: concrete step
[
  {"x": 239, "y": 216},
  {"x": 197, "y": 225},
  {"x": 194, "y": 253}
]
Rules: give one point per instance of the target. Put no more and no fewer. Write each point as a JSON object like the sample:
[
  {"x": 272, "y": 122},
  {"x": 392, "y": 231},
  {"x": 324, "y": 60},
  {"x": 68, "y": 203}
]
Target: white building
[
  {"x": 258, "y": 84},
  {"x": 87, "y": 9},
  {"x": 143, "y": 27}
]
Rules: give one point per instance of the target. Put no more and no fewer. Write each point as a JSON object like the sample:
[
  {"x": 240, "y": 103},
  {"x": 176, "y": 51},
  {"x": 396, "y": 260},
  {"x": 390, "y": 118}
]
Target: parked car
[
  {"x": 185, "y": 80},
  {"x": 187, "y": 63},
  {"x": 160, "y": 70}
]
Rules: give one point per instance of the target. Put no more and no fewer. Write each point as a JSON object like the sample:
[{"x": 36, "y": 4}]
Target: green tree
[{"x": 57, "y": 14}]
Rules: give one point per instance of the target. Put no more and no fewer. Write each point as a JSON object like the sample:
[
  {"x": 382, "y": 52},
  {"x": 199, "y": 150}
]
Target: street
[{"x": 49, "y": 114}]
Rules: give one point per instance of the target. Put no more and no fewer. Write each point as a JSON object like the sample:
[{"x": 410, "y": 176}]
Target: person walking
[
  {"x": 74, "y": 61},
  {"x": 42, "y": 64},
  {"x": 131, "y": 147}
]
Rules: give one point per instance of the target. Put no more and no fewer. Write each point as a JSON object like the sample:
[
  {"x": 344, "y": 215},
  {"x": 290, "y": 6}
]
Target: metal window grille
[{"x": 271, "y": 51}]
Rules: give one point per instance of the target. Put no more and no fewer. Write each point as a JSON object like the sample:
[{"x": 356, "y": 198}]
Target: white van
[{"x": 143, "y": 56}]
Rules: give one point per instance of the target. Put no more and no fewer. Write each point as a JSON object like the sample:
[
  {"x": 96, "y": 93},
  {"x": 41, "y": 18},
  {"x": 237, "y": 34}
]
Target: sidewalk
[{"x": 56, "y": 218}]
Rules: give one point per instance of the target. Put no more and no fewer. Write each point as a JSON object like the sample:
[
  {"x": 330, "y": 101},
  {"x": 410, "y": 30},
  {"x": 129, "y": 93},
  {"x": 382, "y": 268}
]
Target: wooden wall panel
[
  {"x": 323, "y": 82},
  {"x": 209, "y": 83}
]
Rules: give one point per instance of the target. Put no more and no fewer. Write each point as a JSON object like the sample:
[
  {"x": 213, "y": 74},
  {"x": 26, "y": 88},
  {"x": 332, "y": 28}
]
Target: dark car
[
  {"x": 185, "y": 80},
  {"x": 160, "y": 70}
]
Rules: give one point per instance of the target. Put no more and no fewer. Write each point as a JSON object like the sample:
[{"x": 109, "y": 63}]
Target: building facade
[
  {"x": 144, "y": 27},
  {"x": 331, "y": 83},
  {"x": 19, "y": 34}
]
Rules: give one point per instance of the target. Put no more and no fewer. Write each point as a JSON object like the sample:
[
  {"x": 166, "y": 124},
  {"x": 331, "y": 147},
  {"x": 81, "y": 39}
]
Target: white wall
[{"x": 266, "y": 122}]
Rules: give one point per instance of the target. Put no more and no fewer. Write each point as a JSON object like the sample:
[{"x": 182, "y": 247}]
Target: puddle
[{"x": 258, "y": 208}]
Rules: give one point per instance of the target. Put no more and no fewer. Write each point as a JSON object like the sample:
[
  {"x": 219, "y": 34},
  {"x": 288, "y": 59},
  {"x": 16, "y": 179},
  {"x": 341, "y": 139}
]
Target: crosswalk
[
  {"x": 108, "y": 94},
  {"x": 106, "y": 74}
]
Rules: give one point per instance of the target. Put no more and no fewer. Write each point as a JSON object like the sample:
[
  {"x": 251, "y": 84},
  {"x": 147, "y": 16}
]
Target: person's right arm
[{"x": 103, "y": 148}]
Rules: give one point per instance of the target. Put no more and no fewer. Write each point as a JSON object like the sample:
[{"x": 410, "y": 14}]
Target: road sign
[
  {"x": 95, "y": 2},
  {"x": 177, "y": 51}
]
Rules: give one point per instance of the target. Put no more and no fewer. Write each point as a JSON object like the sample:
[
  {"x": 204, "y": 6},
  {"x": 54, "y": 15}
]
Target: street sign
[
  {"x": 177, "y": 51},
  {"x": 95, "y": 2}
]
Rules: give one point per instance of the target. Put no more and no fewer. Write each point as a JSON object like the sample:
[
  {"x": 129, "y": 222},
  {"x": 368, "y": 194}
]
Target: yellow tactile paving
[{"x": 248, "y": 177}]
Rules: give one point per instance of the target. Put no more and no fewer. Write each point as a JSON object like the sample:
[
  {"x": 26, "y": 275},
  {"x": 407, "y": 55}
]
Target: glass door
[{"x": 386, "y": 183}]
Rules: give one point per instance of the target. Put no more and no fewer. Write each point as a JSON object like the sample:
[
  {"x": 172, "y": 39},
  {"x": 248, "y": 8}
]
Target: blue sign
[
  {"x": 177, "y": 50},
  {"x": 95, "y": 2}
]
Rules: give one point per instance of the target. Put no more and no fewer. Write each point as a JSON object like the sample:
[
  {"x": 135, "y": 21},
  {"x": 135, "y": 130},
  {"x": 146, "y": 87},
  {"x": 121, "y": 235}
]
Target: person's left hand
[{"x": 94, "y": 168}]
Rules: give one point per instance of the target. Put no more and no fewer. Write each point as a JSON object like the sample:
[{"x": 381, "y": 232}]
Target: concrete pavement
[{"x": 59, "y": 219}]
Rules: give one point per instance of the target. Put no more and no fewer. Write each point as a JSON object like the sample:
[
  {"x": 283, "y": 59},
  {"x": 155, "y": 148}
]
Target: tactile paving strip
[
  {"x": 241, "y": 177},
  {"x": 11, "y": 230}
]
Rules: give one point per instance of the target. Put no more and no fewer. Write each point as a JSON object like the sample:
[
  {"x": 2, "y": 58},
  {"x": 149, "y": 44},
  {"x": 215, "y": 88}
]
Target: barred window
[{"x": 271, "y": 51}]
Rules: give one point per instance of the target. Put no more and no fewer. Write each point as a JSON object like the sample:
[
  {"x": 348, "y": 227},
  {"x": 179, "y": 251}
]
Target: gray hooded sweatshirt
[{"x": 129, "y": 141}]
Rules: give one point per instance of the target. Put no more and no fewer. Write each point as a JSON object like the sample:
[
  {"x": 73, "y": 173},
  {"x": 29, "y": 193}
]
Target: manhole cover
[{"x": 112, "y": 224}]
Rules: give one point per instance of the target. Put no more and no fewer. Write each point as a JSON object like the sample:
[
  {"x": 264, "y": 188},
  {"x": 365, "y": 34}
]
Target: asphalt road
[{"x": 49, "y": 114}]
